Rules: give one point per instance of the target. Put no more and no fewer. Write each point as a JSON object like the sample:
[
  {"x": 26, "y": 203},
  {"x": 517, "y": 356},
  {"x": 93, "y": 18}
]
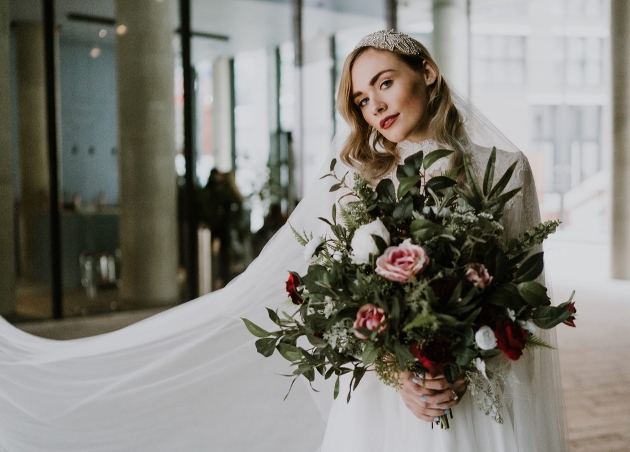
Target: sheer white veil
[{"x": 190, "y": 378}]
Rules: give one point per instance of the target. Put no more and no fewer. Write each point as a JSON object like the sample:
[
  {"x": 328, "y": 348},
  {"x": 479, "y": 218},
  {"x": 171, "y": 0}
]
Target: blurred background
[
  {"x": 183, "y": 133},
  {"x": 150, "y": 148}
]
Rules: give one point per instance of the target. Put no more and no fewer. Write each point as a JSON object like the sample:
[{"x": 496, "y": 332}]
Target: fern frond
[
  {"x": 534, "y": 341},
  {"x": 302, "y": 239}
]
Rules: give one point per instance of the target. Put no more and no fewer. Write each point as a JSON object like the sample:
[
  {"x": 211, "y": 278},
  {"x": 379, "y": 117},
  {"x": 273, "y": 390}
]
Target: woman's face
[{"x": 392, "y": 97}]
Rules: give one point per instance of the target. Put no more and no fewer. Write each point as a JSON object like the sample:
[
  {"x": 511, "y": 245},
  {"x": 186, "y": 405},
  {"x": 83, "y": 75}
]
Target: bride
[{"x": 189, "y": 379}]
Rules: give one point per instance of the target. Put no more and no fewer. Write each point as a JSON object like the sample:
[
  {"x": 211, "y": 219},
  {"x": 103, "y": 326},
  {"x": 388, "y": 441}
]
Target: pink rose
[
  {"x": 369, "y": 317},
  {"x": 400, "y": 263},
  {"x": 478, "y": 275}
]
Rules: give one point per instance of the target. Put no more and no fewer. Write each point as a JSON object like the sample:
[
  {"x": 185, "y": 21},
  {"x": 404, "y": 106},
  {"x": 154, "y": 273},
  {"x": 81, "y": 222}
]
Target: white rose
[
  {"x": 363, "y": 243},
  {"x": 311, "y": 246},
  {"x": 485, "y": 338}
]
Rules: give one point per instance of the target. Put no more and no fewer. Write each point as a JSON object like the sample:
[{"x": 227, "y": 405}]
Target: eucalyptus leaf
[
  {"x": 266, "y": 346},
  {"x": 255, "y": 329},
  {"x": 407, "y": 184},
  {"x": 289, "y": 352}
]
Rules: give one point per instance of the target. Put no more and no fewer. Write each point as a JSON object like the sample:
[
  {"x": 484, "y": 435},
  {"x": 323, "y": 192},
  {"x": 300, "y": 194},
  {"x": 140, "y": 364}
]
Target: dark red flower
[
  {"x": 571, "y": 320},
  {"x": 510, "y": 338},
  {"x": 293, "y": 281},
  {"x": 443, "y": 288},
  {"x": 434, "y": 355}
]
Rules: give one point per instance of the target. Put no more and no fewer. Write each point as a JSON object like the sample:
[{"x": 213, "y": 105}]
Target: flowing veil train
[{"x": 189, "y": 379}]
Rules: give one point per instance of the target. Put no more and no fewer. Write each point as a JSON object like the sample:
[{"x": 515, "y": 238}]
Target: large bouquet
[{"x": 417, "y": 278}]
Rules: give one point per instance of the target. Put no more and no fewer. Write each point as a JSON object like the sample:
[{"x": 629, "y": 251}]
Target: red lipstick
[{"x": 388, "y": 121}]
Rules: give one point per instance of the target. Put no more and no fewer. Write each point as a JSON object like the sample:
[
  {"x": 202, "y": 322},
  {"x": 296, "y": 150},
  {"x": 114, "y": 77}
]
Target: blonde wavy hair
[{"x": 360, "y": 149}]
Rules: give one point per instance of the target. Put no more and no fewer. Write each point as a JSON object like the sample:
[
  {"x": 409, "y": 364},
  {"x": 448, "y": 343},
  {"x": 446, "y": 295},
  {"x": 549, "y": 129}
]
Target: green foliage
[{"x": 458, "y": 227}]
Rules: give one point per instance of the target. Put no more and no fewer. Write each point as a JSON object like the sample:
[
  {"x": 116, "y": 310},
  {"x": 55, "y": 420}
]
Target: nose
[{"x": 379, "y": 107}]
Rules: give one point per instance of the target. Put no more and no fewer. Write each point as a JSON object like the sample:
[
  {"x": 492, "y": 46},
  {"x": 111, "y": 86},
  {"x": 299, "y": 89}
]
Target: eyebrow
[{"x": 372, "y": 82}]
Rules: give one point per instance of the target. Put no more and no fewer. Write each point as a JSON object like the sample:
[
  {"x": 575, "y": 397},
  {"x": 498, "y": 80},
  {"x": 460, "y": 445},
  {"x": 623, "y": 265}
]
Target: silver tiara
[{"x": 391, "y": 40}]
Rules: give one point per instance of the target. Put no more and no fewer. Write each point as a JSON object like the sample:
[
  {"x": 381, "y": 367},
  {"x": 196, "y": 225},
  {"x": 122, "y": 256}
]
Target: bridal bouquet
[{"x": 417, "y": 278}]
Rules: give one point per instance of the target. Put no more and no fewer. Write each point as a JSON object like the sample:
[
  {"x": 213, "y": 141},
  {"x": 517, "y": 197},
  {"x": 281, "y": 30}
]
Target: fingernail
[
  {"x": 415, "y": 380},
  {"x": 423, "y": 399},
  {"x": 438, "y": 405},
  {"x": 436, "y": 420},
  {"x": 447, "y": 411}
]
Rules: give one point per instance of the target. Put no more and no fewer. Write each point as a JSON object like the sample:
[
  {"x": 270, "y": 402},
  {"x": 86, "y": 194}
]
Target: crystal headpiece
[{"x": 391, "y": 40}]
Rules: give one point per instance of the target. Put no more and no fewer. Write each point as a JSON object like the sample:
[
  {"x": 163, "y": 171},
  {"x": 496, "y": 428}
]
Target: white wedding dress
[
  {"x": 377, "y": 420},
  {"x": 189, "y": 379}
]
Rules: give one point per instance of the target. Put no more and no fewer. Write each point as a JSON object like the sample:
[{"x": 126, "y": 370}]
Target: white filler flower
[
  {"x": 363, "y": 243},
  {"x": 485, "y": 338}
]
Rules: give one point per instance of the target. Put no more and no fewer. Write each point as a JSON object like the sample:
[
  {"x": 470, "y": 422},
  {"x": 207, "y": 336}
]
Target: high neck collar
[{"x": 406, "y": 147}]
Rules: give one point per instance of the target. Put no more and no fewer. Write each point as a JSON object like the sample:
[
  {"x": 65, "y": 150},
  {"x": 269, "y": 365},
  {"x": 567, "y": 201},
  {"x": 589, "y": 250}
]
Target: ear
[{"x": 430, "y": 74}]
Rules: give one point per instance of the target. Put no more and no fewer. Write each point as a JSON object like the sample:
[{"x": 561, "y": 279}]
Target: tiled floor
[{"x": 595, "y": 356}]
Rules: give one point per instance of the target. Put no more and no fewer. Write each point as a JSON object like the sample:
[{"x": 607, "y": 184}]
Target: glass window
[{"x": 498, "y": 60}]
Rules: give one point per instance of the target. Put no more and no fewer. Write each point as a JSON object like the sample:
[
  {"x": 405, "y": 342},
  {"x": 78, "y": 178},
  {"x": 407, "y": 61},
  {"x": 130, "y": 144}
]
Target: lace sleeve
[{"x": 522, "y": 212}]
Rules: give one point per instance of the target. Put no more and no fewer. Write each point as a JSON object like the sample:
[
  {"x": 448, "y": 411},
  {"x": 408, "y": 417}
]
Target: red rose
[
  {"x": 571, "y": 320},
  {"x": 510, "y": 338},
  {"x": 292, "y": 284},
  {"x": 434, "y": 355}
]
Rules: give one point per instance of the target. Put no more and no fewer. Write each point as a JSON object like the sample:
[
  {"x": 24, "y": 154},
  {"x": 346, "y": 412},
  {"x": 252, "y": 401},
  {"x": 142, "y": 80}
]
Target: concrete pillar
[
  {"x": 7, "y": 245},
  {"x": 620, "y": 47},
  {"x": 148, "y": 213},
  {"x": 33, "y": 140},
  {"x": 451, "y": 41},
  {"x": 222, "y": 127}
]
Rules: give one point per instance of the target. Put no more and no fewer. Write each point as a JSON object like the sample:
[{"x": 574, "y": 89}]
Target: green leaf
[
  {"x": 407, "y": 184},
  {"x": 336, "y": 391},
  {"x": 333, "y": 162},
  {"x": 380, "y": 243},
  {"x": 547, "y": 317},
  {"x": 369, "y": 354},
  {"x": 489, "y": 176},
  {"x": 386, "y": 191},
  {"x": 415, "y": 160},
  {"x": 439, "y": 183},
  {"x": 405, "y": 170},
  {"x": 434, "y": 156},
  {"x": 357, "y": 376},
  {"x": 531, "y": 268},
  {"x": 266, "y": 346},
  {"x": 471, "y": 178},
  {"x": 335, "y": 187},
  {"x": 506, "y": 296},
  {"x": 422, "y": 230},
  {"x": 465, "y": 356},
  {"x": 502, "y": 183},
  {"x": 403, "y": 210},
  {"x": 289, "y": 352},
  {"x": 255, "y": 329},
  {"x": 534, "y": 293},
  {"x": 273, "y": 315},
  {"x": 302, "y": 240}
]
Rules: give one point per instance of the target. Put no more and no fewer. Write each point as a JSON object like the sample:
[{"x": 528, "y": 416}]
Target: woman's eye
[
  {"x": 386, "y": 84},
  {"x": 363, "y": 102}
]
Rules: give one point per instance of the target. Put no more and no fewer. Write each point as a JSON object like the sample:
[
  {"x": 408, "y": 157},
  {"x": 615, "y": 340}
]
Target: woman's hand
[{"x": 430, "y": 397}]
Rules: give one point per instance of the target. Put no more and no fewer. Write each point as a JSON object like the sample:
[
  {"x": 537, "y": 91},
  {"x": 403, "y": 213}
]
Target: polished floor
[{"x": 595, "y": 356}]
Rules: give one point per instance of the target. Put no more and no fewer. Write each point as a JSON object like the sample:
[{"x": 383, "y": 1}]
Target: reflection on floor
[{"x": 595, "y": 356}]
